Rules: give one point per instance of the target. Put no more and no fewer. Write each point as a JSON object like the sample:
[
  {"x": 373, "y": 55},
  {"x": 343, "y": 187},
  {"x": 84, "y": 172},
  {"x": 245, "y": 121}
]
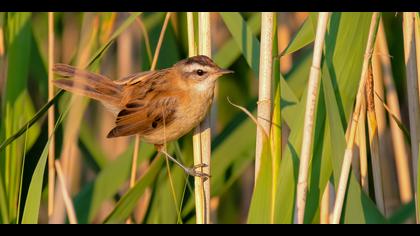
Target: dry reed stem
[
  {"x": 385, "y": 149},
  {"x": 361, "y": 135},
  {"x": 51, "y": 147},
  {"x": 264, "y": 87},
  {"x": 374, "y": 142},
  {"x": 202, "y": 133},
  {"x": 308, "y": 127},
  {"x": 325, "y": 205},
  {"x": 1, "y": 42},
  {"x": 146, "y": 38},
  {"x": 398, "y": 141},
  {"x": 346, "y": 164},
  {"x": 417, "y": 39},
  {"x": 66, "y": 196},
  {"x": 199, "y": 189},
  {"x": 416, "y": 166},
  {"x": 413, "y": 92},
  {"x": 379, "y": 108}
]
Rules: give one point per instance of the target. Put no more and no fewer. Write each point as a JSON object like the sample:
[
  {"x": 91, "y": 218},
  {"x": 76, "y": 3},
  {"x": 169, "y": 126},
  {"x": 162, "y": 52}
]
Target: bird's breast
[{"x": 189, "y": 113}]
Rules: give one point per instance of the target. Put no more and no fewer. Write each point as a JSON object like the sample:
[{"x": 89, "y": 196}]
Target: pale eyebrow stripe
[{"x": 196, "y": 66}]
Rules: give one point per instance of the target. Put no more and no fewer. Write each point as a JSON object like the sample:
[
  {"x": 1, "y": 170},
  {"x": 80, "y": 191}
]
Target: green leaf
[
  {"x": 29, "y": 124},
  {"x": 403, "y": 214},
  {"x": 357, "y": 204},
  {"x": 304, "y": 36},
  {"x": 243, "y": 36},
  {"x": 3, "y": 202},
  {"x": 33, "y": 199},
  {"x": 126, "y": 204},
  {"x": 230, "y": 51},
  {"x": 262, "y": 209},
  {"x": 16, "y": 104},
  {"x": 344, "y": 47},
  {"x": 106, "y": 184}
]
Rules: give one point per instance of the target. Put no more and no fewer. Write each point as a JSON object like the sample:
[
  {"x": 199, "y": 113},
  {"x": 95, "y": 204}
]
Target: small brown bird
[{"x": 160, "y": 106}]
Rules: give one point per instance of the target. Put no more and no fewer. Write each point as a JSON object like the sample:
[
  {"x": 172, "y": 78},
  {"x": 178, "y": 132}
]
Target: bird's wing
[
  {"x": 148, "y": 105},
  {"x": 139, "y": 77}
]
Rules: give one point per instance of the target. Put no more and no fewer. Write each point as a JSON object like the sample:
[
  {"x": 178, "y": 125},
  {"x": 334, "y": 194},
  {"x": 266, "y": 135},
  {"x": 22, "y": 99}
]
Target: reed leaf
[
  {"x": 126, "y": 204},
  {"x": 33, "y": 198},
  {"x": 303, "y": 37}
]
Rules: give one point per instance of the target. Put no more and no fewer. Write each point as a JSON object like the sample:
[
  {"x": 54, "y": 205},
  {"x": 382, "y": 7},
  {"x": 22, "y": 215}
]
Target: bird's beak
[{"x": 223, "y": 72}]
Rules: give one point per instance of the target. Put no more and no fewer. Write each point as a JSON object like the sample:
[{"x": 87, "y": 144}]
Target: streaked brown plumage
[{"x": 160, "y": 106}]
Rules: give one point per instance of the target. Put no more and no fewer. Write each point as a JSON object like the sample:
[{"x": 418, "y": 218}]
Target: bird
[{"x": 159, "y": 105}]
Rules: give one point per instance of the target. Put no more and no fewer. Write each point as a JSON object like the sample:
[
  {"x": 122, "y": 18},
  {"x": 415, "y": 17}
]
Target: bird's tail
[{"x": 88, "y": 84}]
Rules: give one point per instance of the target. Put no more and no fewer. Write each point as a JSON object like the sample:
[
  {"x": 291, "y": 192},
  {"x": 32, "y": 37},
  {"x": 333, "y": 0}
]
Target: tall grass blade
[
  {"x": 33, "y": 198},
  {"x": 126, "y": 204}
]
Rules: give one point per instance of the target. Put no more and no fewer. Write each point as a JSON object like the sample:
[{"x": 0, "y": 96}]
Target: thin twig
[
  {"x": 308, "y": 127},
  {"x": 66, "y": 196},
  {"x": 146, "y": 38}
]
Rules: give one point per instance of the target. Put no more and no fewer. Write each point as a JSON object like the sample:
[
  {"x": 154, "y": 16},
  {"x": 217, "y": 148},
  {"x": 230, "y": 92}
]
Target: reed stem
[
  {"x": 308, "y": 128},
  {"x": 51, "y": 119},
  {"x": 264, "y": 87},
  {"x": 202, "y": 133},
  {"x": 413, "y": 94},
  {"x": 71, "y": 213},
  {"x": 398, "y": 141},
  {"x": 346, "y": 165}
]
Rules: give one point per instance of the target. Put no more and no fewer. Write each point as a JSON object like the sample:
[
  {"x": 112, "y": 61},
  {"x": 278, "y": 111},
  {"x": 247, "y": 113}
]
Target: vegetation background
[{"x": 96, "y": 171}]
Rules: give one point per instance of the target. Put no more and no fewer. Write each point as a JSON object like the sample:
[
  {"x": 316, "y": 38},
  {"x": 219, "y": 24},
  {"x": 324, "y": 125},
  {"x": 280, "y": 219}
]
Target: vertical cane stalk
[
  {"x": 413, "y": 92},
  {"x": 398, "y": 141},
  {"x": 264, "y": 89},
  {"x": 202, "y": 135},
  {"x": 51, "y": 148},
  {"x": 308, "y": 127},
  {"x": 325, "y": 206},
  {"x": 345, "y": 169}
]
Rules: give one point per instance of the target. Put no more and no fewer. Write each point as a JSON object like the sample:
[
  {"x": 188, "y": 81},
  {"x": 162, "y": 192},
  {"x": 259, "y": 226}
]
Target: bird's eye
[{"x": 200, "y": 72}]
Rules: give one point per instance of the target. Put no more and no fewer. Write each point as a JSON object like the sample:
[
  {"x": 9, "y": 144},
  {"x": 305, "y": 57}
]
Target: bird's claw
[{"x": 192, "y": 171}]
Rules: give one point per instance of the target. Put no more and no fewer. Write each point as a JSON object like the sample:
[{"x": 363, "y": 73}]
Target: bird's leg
[{"x": 191, "y": 171}]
